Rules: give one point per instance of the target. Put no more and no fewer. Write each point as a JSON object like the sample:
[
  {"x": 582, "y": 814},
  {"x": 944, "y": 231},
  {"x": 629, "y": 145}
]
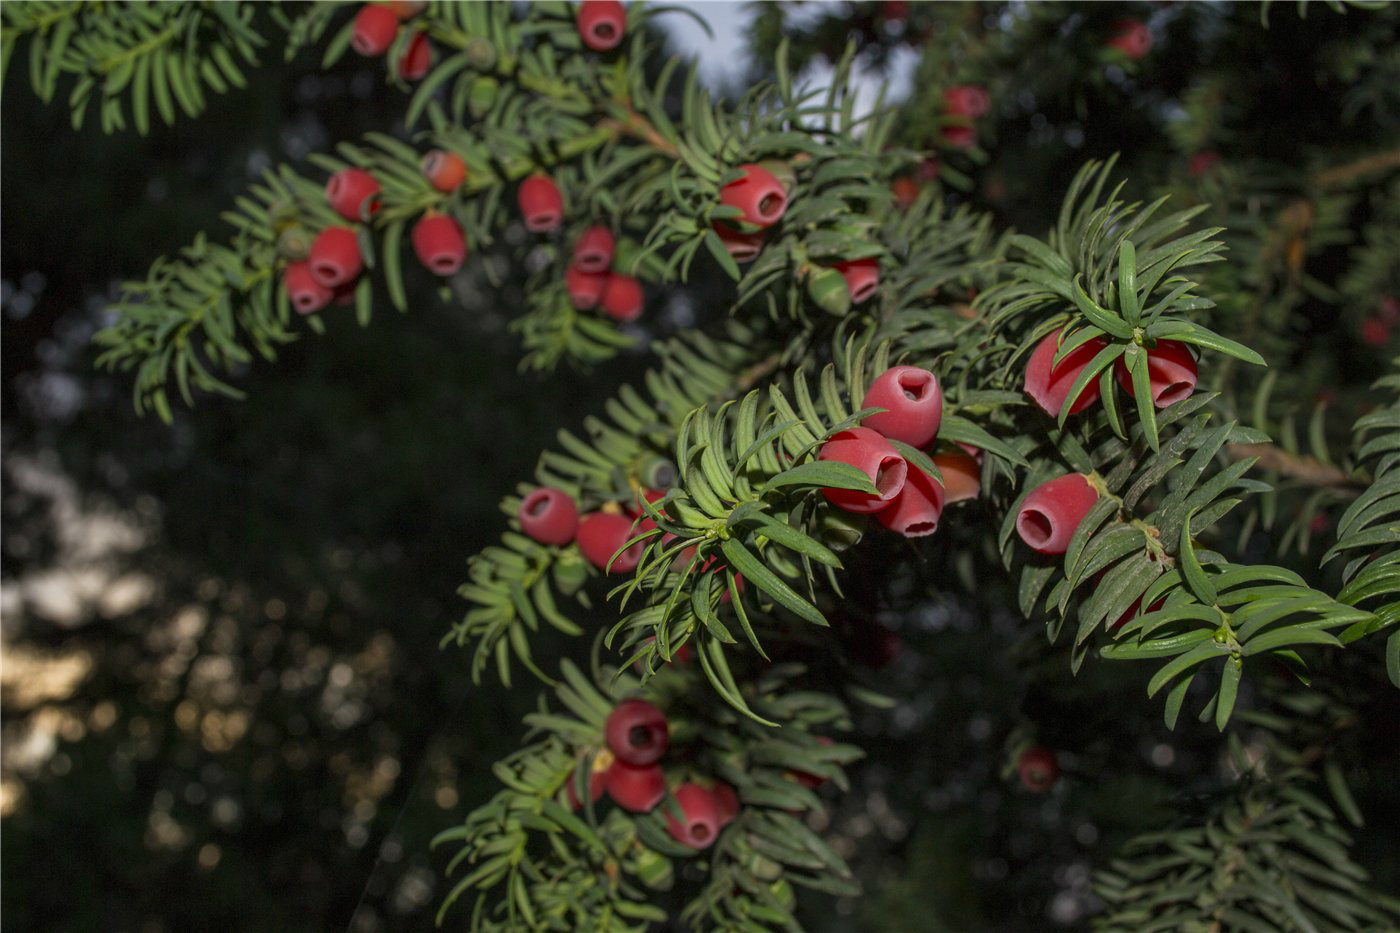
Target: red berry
[
  {"x": 1132, "y": 38},
  {"x": 744, "y": 247},
  {"x": 759, "y": 196},
  {"x": 601, "y": 24},
  {"x": 445, "y": 171},
  {"x": 549, "y": 516},
  {"x": 726, "y": 803},
  {"x": 905, "y": 191},
  {"x": 928, "y": 169},
  {"x": 962, "y": 477},
  {"x": 307, "y": 295},
  {"x": 335, "y": 256},
  {"x": 541, "y": 203},
  {"x": 637, "y": 790},
  {"x": 353, "y": 193},
  {"x": 894, "y": 11},
  {"x": 868, "y": 451},
  {"x": 1051, "y": 513},
  {"x": 594, "y": 250},
  {"x": 960, "y": 137},
  {"x": 700, "y": 823},
  {"x": 622, "y": 297},
  {"x": 914, "y": 402},
  {"x": 967, "y": 100},
  {"x": 1375, "y": 331},
  {"x": 374, "y": 30},
  {"x": 439, "y": 243},
  {"x": 862, "y": 278},
  {"x": 1202, "y": 162},
  {"x": 601, "y": 534},
  {"x": 585, "y": 289},
  {"x": 416, "y": 59},
  {"x": 597, "y": 783},
  {"x": 914, "y": 513},
  {"x": 1039, "y": 769},
  {"x": 1049, "y": 387},
  {"x": 637, "y": 733},
  {"x": 1171, "y": 373}
]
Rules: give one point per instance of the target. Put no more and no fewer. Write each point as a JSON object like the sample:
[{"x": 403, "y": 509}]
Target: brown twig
[
  {"x": 1303, "y": 468},
  {"x": 1341, "y": 174}
]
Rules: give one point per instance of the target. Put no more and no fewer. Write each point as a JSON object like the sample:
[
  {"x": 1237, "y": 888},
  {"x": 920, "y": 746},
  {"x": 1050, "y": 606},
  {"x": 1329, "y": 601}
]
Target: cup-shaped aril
[
  {"x": 601, "y": 534},
  {"x": 726, "y": 802},
  {"x": 744, "y": 247},
  {"x": 700, "y": 821},
  {"x": 914, "y": 401},
  {"x": 862, "y": 278},
  {"x": 594, "y": 250},
  {"x": 758, "y": 194},
  {"x": 905, "y": 191},
  {"x": 636, "y": 789},
  {"x": 374, "y": 29},
  {"x": 1051, "y": 513},
  {"x": 305, "y": 293},
  {"x": 353, "y": 194},
  {"x": 584, "y": 288},
  {"x": 1038, "y": 769},
  {"x": 439, "y": 243},
  {"x": 966, "y": 100},
  {"x": 541, "y": 204},
  {"x": 962, "y": 477},
  {"x": 636, "y": 732},
  {"x": 1171, "y": 373},
  {"x": 869, "y": 452},
  {"x": 1049, "y": 385},
  {"x": 335, "y": 257},
  {"x": 1132, "y": 38},
  {"x": 416, "y": 59},
  {"x": 914, "y": 513},
  {"x": 601, "y": 24},
  {"x": 444, "y": 170},
  {"x": 622, "y": 298},
  {"x": 549, "y": 516}
]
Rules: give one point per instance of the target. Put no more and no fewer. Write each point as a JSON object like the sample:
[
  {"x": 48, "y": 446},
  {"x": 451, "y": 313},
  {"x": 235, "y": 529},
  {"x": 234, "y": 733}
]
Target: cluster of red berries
[
  {"x": 629, "y": 771},
  {"x": 592, "y": 282},
  {"x": 964, "y": 103},
  {"x": 1171, "y": 373},
  {"x": 334, "y": 261},
  {"x": 550, "y": 516},
  {"x": 377, "y": 26},
  {"x": 906, "y": 499}
]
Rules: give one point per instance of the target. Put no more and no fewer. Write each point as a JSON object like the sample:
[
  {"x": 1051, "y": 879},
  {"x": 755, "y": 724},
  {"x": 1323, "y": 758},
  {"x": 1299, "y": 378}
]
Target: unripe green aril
[
  {"x": 827, "y": 289},
  {"x": 294, "y": 243},
  {"x": 481, "y": 54},
  {"x": 482, "y": 96}
]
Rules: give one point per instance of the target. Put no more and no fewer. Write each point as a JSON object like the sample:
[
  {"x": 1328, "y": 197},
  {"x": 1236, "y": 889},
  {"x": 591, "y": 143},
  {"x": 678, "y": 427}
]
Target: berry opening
[
  {"x": 915, "y": 385},
  {"x": 700, "y": 831},
  {"x": 743, "y": 252},
  {"x": 305, "y": 301},
  {"x": 536, "y": 507},
  {"x": 1174, "y": 392},
  {"x": 920, "y": 528},
  {"x": 889, "y": 476},
  {"x": 639, "y": 737},
  {"x": 327, "y": 271},
  {"x": 1035, "y": 527},
  {"x": 604, "y": 31},
  {"x": 542, "y": 220},
  {"x": 862, "y": 292},
  {"x": 445, "y": 265},
  {"x": 770, "y": 206},
  {"x": 591, "y": 260}
]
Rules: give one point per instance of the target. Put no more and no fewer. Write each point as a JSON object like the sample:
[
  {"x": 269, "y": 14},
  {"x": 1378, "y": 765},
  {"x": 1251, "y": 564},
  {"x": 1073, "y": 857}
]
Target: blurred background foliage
[{"x": 224, "y": 705}]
